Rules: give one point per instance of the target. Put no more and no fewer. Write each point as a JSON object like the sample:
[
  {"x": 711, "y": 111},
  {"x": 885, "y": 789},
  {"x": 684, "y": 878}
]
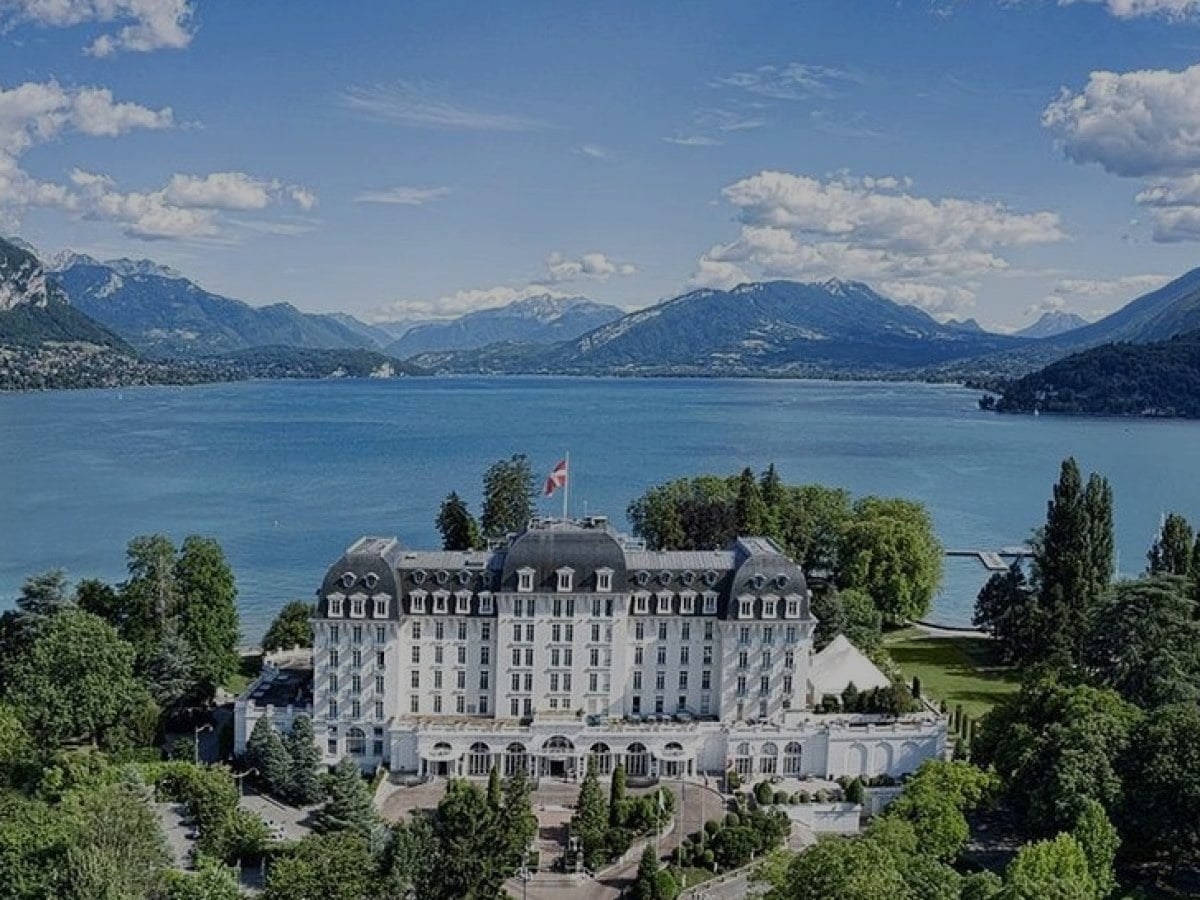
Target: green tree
[
  {"x": 266, "y": 752},
  {"x": 1098, "y": 839},
  {"x": 349, "y": 806},
  {"x": 889, "y": 550},
  {"x": 1055, "y": 745},
  {"x": 34, "y": 841},
  {"x": 590, "y": 821},
  {"x": 839, "y": 869},
  {"x": 150, "y": 595},
  {"x": 1006, "y": 609},
  {"x": 1054, "y": 869},
  {"x": 616, "y": 796},
  {"x": 1171, "y": 553},
  {"x": 1160, "y": 815},
  {"x": 1072, "y": 563},
  {"x": 170, "y": 671},
  {"x": 101, "y": 599},
  {"x": 304, "y": 762},
  {"x": 773, "y": 492},
  {"x": 470, "y": 844},
  {"x": 1144, "y": 642},
  {"x": 76, "y": 683},
  {"x": 653, "y": 882},
  {"x": 334, "y": 866},
  {"x": 457, "y": 526},
  {"x": 508, "y": 494},
  {"x": 851, "y": 613},
  {"x": 934, "y": 802},
  {"x": 495, "y": 789},
  {"x": 750, "y": 510},
  {"x": 410, "y": 861},
  {"x": 117, "y": 846},
  {"x": 517, "y": 824},
  {"x": 810, "y": 523},
  {"x": 212, "y": 880},
  {"x": 16, "y": 749},
  {"x": 44, "y": 596},
  {"x": 208, "y": 618},
  {"x": 291, "y": 628}
]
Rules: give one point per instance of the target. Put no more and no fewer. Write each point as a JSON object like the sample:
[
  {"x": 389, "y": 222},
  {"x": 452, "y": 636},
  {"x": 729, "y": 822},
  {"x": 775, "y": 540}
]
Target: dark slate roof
[
  {"x": 368, "y": 567},
  {"x": 548, "y": 546}
]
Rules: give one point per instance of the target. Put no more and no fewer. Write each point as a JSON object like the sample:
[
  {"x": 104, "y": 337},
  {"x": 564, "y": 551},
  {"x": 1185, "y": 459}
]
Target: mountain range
[
  {"x": 536, "y": 320},
  {"x": 779, "y": 328}
]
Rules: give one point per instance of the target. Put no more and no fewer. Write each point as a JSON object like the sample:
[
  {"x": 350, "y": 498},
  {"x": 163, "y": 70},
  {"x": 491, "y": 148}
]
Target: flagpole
[{"x": 567, "y": 485}]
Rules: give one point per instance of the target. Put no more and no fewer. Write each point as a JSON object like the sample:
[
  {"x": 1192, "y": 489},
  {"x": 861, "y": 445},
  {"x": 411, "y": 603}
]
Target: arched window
[
  {"x": 516, "y": 759},
  {"x": 882, "y": 763},
  {"x": 768, "y": 759},
  {"x": 792, "y": 758},
  {"x": 637, "y": 760},
  {"x": 479, "y": 759},
  {"x": 856, "y": 760},
  {"x": 356, "y": 742},
  {"x": 601, "y": 757},
  {"x": 558, "y": 746},
  {"x": 743, "y": 762}
]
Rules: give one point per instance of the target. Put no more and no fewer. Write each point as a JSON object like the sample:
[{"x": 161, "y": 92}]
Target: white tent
[{"x": 839, "y": 664}]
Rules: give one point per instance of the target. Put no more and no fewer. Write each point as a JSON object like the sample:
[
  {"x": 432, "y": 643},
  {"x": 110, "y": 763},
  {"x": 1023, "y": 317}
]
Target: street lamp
[{"x": 196, "y": 740}]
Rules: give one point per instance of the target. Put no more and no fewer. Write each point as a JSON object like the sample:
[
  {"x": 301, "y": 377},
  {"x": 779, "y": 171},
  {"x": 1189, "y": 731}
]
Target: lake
[{"x": 287, "y": 474}]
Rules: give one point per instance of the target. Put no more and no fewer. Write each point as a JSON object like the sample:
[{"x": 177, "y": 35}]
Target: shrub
[
  {"x": 780, "y": 798},
  {"x": 733, "y": 780},
  {"x": 763, "y": 793},
  {"x": 803, "y": 797},
  {"x": 822, "y": 796},
  {"x": 712, "y": 826},
  {"x": 854, "y": 792},
  {"x": 732, "y": 820}
]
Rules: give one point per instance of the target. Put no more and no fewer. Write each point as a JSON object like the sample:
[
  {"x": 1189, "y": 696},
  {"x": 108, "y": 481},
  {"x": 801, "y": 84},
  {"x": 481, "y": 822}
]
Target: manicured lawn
[{"x": 955, "y": 669}]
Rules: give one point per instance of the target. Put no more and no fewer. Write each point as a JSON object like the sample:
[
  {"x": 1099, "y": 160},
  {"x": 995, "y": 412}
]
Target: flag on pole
[{"x": 556, "y": 479}]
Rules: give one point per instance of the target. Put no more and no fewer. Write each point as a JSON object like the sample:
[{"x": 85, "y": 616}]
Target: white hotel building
[{"x": 572, "y": 641}]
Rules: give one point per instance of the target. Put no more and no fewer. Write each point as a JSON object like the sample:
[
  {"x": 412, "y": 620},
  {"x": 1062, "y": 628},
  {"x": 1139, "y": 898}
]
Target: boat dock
[{"x": 995, "y": 560}]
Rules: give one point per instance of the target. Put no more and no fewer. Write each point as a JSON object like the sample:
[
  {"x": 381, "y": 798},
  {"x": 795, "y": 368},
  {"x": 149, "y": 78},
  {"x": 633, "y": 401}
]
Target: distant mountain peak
[
  {"x": 23, "y": 281},
  {"x": 1051, "y": 323}
]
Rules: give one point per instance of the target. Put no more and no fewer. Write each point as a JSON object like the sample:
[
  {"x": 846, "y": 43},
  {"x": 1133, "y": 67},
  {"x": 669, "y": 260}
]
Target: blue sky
[{"x": 976, "y": 158}]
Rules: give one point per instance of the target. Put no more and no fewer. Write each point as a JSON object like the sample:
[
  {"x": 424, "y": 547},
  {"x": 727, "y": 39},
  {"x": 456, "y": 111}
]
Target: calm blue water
[{"x": 286, "y": 474}]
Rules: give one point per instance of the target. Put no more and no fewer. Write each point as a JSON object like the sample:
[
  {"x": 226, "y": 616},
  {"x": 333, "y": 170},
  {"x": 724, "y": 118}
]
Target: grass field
[
  {"x": 248, "y": 670},
  {"x": 955, "y": 669}
]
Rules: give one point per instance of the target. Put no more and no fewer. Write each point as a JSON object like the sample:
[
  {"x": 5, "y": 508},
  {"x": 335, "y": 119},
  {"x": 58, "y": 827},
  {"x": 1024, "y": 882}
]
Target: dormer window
[
  {"x": 525, "y": 580},
  {"x": 441, "y": 576},
  {"x": 769, "y": 605},
  {"x": 664, "y": 577},
  {"x": 347, "y": 579},
  {"x": 687, "y": 603},
  {"x": 781, "y": 581},
  {"x": 358, "y": 606},
  {"x": 485, "y": 603},
  {"x": 462, "y": 602},
  {"x": 381, "y": 605},
  {"x": 710, "y": 603},
  {"x": 643, "y": 578},
  {"x": 641, "y": 602},
  {"x": 370, "y": 579},
  {"x": 418, "y": 576},
  {"x": 710, "y": 577},
  {"x": 745, "y": 607},
  {"x": 604, "y": 580},
  {"x": 416, "y": 601},
  {"x": 566, "y": 578},
  {"x": 664, "y": 602},
  {"x": 689, "y": 577},
  {"x": 759, "y": 582},
  {"x": 464, "y": 577},
  {"x": 792, "y": 610},
  {"x": 335, "y": 604},
  {"x": 441, "y": 601}
]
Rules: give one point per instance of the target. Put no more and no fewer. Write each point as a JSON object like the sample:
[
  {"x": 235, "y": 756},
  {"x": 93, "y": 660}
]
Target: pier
[{"x": 995, "y": 560}]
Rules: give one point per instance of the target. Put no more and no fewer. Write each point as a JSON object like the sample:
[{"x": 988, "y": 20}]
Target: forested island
[{"x": 1157, "y": 379}]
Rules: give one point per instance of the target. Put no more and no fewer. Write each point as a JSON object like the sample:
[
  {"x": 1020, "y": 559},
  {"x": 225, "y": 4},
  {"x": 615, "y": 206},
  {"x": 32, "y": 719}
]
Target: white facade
[{"x": 571, "y": 641}]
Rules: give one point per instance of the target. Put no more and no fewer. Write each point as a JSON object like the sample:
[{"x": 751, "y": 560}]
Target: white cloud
[
  {"x": 1143, "y": 124},
  {"x": 410, "y": 103},
  {"x": 1097, "y": 295},
  {"x": 693, "y": 140},
  {"x": 1133, "y": 124},
  {"x": 874, "y": 229},
  {"x": 1132, "y": 9},
  {"x": 187, "y": 207},
  {"x": 591, "y": 265},
  {"x": 404, "y": 196},
  {"x": 728, "y": 120},
  {"x": 152, "y": 24},
  {"x": 593, "y": 151},
  {"x": 794, "y": 81}
]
